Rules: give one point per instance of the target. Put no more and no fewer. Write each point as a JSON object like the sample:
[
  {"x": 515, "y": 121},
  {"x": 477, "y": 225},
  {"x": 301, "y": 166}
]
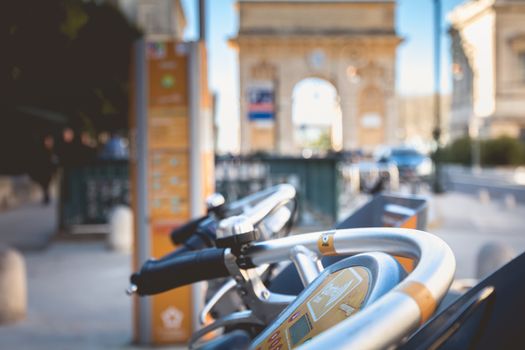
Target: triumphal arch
[{"x": 351, "y": 44}]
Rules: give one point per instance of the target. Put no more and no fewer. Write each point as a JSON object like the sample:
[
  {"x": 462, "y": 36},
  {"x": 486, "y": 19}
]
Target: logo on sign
[
  {"x": 172, "y": 318},
  {"x": 168, "y": 81},
  {"x": 346, "y": 281},
  {"x": 156, "y": 50}
]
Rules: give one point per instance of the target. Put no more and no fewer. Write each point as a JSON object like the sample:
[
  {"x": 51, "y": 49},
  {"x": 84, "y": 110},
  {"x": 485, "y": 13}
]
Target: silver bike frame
[
  {"x": 258, "y": 205},
  {"x": 396, "y": 314}
]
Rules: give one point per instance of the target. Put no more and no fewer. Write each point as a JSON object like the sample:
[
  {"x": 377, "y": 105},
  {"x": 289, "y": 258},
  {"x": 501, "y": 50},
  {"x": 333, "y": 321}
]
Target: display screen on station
[{"x": 299, "y": 329}]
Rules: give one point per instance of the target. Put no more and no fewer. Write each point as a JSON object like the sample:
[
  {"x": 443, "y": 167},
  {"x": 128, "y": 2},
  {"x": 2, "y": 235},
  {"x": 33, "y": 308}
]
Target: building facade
[
  {"x": 158, "y": 19},
  {"x": 488, "y": 52},
  {"x": 416, "y": 119},
  {"x": 350, "y": 44}
]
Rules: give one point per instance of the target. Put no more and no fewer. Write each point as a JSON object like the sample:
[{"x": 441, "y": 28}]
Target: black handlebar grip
[
  {"x": 182, "y": 233},
  {"x": 157, "y": 276}
]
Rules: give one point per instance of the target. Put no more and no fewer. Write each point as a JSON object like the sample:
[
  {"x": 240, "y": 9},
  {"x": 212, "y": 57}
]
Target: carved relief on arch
[
  {"x": 371, "y": 97},
  {"x": 353, "y": 54},
  {"x": 263, "y": 71},
  {"x": 372, "y": 71}
]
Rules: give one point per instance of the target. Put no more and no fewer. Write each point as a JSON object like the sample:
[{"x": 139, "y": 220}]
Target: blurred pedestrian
[
  {"x": 115, "y": 148},
  {"x": 75, "y": 149},
  {"x": 43, "y": 166},
  {"x": 380, "y": 185}
]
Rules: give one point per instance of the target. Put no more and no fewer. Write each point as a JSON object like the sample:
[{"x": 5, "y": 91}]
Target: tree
[
  {"x": 67, "y": 64},
  {"x": 322, "y": 143}
]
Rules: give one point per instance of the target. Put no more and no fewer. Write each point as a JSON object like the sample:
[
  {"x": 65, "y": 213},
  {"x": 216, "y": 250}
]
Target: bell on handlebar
[
  {"x": 235, "y": 232},
  {"x": 215, "y": 204}
]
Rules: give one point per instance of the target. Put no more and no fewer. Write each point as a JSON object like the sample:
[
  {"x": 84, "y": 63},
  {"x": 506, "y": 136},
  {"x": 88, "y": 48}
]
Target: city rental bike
[
  {"x": 364, "y": 301},
  {"x": 272, "y": 212}
]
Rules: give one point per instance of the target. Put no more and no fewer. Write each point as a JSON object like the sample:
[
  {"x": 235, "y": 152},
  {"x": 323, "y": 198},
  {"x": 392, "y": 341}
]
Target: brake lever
[{"x": 223, "y": 290}]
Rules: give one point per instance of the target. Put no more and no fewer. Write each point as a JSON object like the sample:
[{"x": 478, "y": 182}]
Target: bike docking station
[
  {"x": 391, "y": 210},
  {"x": 172, "y": 173}
]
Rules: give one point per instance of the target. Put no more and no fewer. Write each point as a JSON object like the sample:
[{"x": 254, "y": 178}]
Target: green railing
[
  {"x": 316, "y": 180},
  {"x": 89, "y": 192}
]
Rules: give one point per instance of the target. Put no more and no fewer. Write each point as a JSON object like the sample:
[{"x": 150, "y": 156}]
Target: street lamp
[{"x": 437, "y": 186}]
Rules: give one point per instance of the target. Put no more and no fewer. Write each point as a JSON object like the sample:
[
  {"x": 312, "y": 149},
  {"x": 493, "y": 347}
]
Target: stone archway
[
  {"x": 352, "y": 44},
  {"x": 316, "y": 115}
]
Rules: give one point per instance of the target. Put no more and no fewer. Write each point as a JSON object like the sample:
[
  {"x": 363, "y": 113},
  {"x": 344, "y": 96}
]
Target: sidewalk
[
  {"x": 72, "y": 300},
  {"x": 76, "y": 300},
  {"x": 29, "y": 227},
  {"x": 76, "y": 296},
  {"x": 466, "y": 224}
]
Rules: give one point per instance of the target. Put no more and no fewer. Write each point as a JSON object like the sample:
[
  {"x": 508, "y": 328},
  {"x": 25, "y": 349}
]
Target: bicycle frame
[{"x": 385, "y": 322}]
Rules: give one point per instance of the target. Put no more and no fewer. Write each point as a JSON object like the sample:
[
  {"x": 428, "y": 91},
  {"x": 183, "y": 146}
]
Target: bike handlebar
[
  {"x": 157, "y": 276},
  {"x": 182, "y": 233},
  {"x": 256, "y": 207},
  {"x": 281, "y": 195},
  {"x": 184, "y": 267}
]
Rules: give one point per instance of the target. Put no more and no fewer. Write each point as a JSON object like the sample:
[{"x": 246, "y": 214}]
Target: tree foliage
[
  {"x": 322, "y": 143},
  {"x": 67, "y": 63},
  {"x": 499, "y": 151},
  {"x": 69, "y": 56}
]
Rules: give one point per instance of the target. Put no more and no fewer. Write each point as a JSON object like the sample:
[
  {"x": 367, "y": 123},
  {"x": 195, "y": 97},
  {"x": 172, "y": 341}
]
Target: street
[
  {"x": 466, "y": 224},
  {"x": 498, "y": 184},
  {"x": 29, "y": 227}
]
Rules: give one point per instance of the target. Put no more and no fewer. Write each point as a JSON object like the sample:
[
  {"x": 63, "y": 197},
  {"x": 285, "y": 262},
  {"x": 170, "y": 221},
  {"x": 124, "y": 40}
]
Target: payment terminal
[{"x": 337, "y": 293}]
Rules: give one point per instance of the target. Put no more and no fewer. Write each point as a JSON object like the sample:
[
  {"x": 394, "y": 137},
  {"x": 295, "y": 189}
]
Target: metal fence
[
  {"x": 89, "y": 192},
  {"x": 325, "y": 185},
  {"x": 316, "y": 181}
]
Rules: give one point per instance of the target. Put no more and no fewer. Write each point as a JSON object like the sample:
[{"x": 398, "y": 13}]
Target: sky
[{"x": 414, "y": 22}]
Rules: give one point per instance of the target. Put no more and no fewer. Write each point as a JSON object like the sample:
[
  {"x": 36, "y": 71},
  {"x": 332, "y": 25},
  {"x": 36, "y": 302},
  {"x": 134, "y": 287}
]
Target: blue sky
[{"x": 414, "y": 65}]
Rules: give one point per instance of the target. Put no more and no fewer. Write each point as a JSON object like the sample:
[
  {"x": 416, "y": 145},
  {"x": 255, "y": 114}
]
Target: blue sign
[{"x": 261, "y": 104}]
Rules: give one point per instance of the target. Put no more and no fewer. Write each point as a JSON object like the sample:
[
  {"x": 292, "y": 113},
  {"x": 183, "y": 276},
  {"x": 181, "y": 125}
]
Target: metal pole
[
  {"x": 202, "y": 20},
  {"x": 475, "y": 145},
  {"x": 436, "y": 133},
  {"x": 142, "y": 236},
  {"x": 196, "y": 150}
]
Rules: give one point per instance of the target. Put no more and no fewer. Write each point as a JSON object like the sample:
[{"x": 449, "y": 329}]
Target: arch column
[
  {"x": 391, "y": 110},
  {"x": 245, "y": 145},
  {"x": 348, "y": 103},
  {"x": 349, "y": 111},
  {"x": 285, "y": 128},
  {"x": 391, "y": 119}
]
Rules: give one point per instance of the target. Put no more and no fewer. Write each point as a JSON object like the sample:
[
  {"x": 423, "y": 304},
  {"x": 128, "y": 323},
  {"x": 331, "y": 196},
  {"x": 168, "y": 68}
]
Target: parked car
[{"x": 411, "y": 163}]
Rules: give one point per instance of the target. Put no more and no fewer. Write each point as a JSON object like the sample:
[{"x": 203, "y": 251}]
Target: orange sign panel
[
  {"x": 169, "y": 185},
  {"x": 168, "y": 178},
  {"x": 168, "y": 131},
  {"x": 171, "y": 312},
  {"x": 168, "y": 74}
]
